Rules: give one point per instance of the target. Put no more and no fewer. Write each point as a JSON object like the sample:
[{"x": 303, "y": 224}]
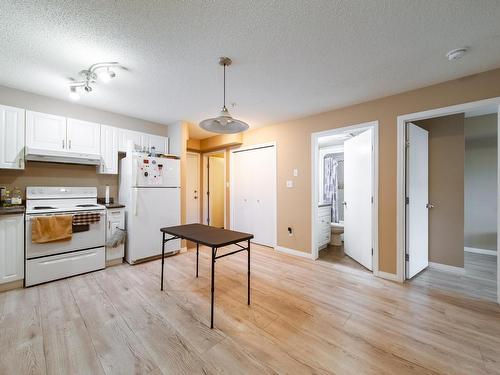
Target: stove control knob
[{"x": 146, "y": 174}]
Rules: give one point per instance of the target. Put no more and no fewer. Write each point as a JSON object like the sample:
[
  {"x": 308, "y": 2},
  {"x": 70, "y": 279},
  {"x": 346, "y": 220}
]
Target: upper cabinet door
[
  {"x": 159, "y": 143},
  {"x": 129, "y": 135},
  {"x": 11, "y": 137},
  {"x": 109, "y": 150},
  {"x": 83, "y": 137},
  {"x": 45, "y": 132}
]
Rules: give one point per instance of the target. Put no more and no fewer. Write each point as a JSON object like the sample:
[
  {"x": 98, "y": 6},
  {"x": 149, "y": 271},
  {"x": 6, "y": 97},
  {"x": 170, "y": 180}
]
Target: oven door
[{"x": 94, "y": 237}]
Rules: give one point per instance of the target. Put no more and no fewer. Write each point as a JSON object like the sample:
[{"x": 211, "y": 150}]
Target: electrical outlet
[{"x": 289, "y": 183}]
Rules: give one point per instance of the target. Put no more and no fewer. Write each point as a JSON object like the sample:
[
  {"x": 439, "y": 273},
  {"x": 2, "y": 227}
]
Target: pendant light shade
[{"x": 224, "y": 123}]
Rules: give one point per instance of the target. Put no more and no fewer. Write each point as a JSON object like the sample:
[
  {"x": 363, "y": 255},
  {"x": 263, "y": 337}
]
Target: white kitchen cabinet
[
  {"x": 11, "y": 137},
  {"x": 109, "y": 150},
  {"x": 115, "y": 219},
  {"x": 11, "y": 248},
  {"x": 45, "y": 132},
  {"x": 129, "y": 135},
  {"x": 324, "y": 227},
  {"x": 159, "y": 143},
  {"x": 83, "y": 137}
]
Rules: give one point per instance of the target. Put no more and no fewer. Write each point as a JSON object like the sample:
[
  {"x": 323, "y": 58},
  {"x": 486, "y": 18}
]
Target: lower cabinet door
[{"x": 11, "y": 248}]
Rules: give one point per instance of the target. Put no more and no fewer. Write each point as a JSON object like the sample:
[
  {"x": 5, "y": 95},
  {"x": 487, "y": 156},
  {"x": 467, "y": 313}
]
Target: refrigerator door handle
[{"x": 134, "y": 200}]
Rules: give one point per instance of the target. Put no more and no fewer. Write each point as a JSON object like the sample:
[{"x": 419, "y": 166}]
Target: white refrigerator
[{"x": 150, "y": 190}]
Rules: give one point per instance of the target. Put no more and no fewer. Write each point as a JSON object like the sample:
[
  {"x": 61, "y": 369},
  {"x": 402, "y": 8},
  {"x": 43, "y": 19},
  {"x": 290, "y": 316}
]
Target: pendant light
[{"x": 224, "y": 123}]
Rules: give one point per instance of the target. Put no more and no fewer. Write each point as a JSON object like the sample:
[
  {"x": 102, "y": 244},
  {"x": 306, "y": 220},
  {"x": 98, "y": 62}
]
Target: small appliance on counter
[{"x": 10, "y": 198}]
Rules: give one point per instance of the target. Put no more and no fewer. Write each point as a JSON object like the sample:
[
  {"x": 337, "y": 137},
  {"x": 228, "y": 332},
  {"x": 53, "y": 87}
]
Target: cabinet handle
[
  {"x": 63, "y": 143},
  {"x": 69, "y": 143}
]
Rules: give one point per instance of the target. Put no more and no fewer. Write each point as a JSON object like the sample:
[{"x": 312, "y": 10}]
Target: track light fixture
[{"x": 96, "y": 72}]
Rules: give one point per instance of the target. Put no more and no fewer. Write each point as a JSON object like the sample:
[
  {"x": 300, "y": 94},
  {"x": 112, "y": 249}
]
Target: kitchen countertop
[
  {"x": 114, "y": 205},
  {"x": 11, "y": 210}
]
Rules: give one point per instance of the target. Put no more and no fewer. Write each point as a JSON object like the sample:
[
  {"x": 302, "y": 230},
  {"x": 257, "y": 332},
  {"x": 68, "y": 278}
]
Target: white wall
[{"x": 481, "y": 182}]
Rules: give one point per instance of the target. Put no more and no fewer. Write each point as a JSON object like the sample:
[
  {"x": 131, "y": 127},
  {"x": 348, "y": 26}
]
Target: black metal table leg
[
  {"x": 197, "y": 251},
  {"x": 162, "y": 258},
  {"x": 213, "y": 289},
  {"x": 248, "y": 249}
]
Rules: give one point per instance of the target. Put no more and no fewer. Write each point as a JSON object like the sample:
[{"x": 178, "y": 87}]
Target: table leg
[
  {"x": 197, "y": 251},
  {"x": 213, "y": 289},
  {"x": 162, "y": 258},
  {"x": 248, "y": 271}
]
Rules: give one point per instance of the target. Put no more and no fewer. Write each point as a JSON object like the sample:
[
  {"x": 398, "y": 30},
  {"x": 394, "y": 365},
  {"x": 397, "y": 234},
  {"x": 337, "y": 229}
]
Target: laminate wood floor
[{"x": 306, "y": 317}]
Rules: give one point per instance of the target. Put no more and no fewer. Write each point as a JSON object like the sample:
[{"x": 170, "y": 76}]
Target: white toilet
[{"x": 337, "y": 231}]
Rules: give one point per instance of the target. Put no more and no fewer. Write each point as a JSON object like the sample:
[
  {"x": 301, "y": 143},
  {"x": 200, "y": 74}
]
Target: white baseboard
[
  {"x": 286, "y": 250},
  {"x": 480, "y": 251},
  {"x": 447, "y": 268},
  {"x": 387, "y": 275}
]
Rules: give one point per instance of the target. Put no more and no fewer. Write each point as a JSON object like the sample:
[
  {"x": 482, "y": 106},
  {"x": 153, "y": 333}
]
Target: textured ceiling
[{"x": 291, "y": 58}]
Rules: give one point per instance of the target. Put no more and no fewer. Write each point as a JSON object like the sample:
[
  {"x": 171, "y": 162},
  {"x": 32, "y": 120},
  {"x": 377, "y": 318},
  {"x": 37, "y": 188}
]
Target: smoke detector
[{"x": 456, "y": 54}]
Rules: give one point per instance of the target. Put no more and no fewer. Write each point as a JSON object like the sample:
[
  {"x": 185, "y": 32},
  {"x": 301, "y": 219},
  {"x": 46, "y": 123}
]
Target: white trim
[
  {"x": 199, "y": 187},
  {"x": 387, "y": 275},
  {"x": 400, "y": 213},
  {"x": 231, "y": 183},
  {"x": 314, "y": 185},
  {"x": 447, "y": 268},
  {"x": 297, "y": 253},
  {"x": 205, "y": 187},
  {"x": 480, "y": 251}
]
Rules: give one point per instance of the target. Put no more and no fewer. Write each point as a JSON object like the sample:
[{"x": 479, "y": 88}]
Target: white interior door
[
  {"x": 193, "y": 189},
  {"x": 358, "y": 198},
  {"x": 254, "y": 193},
  {"x": 417, "y": 193}
]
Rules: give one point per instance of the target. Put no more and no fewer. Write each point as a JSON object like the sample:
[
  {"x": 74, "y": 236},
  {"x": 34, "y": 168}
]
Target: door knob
[
  {"x": 429, "y": 205},
  {"x": 344, "y": 203}
]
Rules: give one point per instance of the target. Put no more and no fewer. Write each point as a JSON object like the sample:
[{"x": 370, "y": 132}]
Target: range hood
[{"x": 62, "y": 157}]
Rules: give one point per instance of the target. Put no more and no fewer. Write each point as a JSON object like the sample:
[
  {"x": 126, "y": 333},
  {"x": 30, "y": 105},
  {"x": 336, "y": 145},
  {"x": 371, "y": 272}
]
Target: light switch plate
[
  {"x": 295, "y": 172},
  {"x": 289, "y": 183}
]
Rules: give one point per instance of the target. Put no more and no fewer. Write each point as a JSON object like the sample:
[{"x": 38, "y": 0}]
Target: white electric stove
[{"x": 84, "y": 252}]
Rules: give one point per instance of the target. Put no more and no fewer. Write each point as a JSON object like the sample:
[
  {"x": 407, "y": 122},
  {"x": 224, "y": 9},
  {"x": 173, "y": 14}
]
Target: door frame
[
  {"x": 231, "y": 184},
  {"x": 315, "y": 185},
  {"x": 401, "y": 173},
  {"x": 198, "y": 157},
  {"x": 205, "y": 185}
]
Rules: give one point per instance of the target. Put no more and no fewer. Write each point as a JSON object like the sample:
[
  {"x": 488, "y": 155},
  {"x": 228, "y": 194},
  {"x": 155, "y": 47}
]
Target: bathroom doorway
[{"x": 344, "y": 204}]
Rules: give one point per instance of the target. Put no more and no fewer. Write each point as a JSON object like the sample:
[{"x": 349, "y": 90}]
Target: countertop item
[{"x": 10, "y": 210}]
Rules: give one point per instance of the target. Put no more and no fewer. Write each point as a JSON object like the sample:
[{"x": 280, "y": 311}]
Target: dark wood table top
[{"x": 206, "y": 235}]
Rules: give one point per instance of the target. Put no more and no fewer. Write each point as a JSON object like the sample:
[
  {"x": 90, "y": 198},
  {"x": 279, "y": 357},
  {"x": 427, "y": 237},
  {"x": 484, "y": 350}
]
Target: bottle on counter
[
  {"x": 16, "y": 197},
  {"x": 6, "y": 200}
]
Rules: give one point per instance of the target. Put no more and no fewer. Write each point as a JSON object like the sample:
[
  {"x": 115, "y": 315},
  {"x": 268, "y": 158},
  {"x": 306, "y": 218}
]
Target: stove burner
[
  {"x": 86, "y": 205},
  {"x": 44, "y": 208}
]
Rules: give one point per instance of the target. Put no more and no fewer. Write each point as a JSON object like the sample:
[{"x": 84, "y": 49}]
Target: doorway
[
  {"x": 345, "y": 195},
  {"x": 214, "y": 188},
  {"x": 447, "y": 184},
  {"x": 193, "y": 188}
]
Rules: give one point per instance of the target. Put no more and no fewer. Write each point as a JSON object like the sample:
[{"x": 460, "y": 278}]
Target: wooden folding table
[{"x": 215, "y": 238}]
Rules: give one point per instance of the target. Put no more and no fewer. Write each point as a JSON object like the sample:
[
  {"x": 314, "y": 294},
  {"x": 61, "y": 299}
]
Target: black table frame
[{"x": 214, "y": 258}]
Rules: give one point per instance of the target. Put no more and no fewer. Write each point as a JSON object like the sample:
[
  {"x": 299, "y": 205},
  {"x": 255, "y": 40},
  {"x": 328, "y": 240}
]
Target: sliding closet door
[{"x": 254, "y": 193}]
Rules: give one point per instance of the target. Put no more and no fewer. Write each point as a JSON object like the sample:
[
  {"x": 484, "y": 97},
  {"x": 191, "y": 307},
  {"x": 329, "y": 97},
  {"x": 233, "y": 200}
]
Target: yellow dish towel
[{"x": 51, "y": 228}]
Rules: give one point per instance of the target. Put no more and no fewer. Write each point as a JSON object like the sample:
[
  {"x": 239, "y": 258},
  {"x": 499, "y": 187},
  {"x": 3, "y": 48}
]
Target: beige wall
[
  {"x": 40, "y": 174},
  {"x": 446, "y": 189},
  {"x": 481, "y": 182},
  {"x": 293, "y": 139}
]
